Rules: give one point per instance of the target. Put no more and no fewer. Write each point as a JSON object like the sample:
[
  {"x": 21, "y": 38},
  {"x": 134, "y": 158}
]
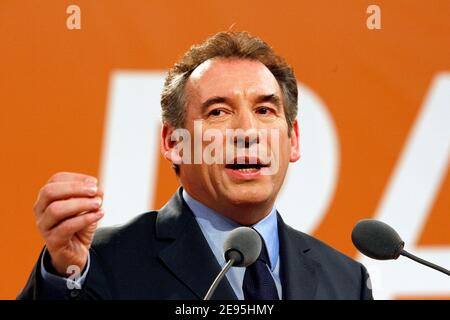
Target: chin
[{"x": 249, "y": 194}]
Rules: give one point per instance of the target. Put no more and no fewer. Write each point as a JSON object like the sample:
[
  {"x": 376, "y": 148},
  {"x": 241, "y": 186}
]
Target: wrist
[{"x": 63, "y": 269}]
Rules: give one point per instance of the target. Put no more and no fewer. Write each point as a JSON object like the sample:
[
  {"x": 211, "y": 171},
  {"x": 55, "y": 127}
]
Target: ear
[
  {"x": 295, "y": 142},
  {"x": 167, "y": 145}
]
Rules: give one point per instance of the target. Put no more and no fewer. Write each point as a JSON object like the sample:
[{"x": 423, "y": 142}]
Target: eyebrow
[
  {"x": 214, "y": 100},
  {"x": 271, "y": 98}
]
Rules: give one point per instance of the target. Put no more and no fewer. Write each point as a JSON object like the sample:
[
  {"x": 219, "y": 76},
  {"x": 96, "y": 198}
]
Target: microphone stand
[
  {"x": 424, "y": 262},
  {"x": 219, "y": 277}
]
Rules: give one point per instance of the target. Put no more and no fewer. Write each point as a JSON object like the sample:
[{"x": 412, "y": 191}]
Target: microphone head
[
  {"x": 243, "y": 245},
  {"x": 377, "y": 240}
]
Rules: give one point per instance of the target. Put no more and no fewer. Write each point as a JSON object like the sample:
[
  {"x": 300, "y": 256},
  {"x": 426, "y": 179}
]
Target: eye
[
  {"x": 216, "y": 113},
  {"x": 264, "y": 110}
]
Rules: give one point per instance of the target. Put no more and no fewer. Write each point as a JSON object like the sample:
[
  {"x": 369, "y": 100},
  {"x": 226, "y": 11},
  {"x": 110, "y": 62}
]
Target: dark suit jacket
[{"x": 164, "y": 255}]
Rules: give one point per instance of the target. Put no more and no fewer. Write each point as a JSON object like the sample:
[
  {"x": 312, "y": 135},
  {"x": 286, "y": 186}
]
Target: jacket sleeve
[
  {"x": 366, "y": 285},
  {"x": 52, "y": 287}
]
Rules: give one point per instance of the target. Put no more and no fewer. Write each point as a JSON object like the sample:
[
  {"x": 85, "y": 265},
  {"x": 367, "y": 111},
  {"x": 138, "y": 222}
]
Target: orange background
[{"x": 54, "y": 88}]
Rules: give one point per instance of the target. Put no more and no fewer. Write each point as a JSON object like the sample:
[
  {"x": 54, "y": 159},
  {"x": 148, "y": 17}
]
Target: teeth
[{"x": 248, "y": 170}]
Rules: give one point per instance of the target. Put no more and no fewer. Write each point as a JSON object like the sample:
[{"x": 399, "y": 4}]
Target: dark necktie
[{"x": 258, "y": 282}]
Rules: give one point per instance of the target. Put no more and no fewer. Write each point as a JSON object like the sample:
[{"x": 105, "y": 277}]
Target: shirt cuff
[{"x": 75, "y": 281}]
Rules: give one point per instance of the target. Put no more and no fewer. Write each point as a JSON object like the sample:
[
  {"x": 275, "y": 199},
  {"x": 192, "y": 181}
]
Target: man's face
[{"x": 237, "y": 94}]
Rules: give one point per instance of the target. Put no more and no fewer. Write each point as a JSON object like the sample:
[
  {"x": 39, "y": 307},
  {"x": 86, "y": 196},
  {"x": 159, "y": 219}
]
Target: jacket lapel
[
  {"x": 189, "y": 256},
  {"x": 297, "y": 270}
]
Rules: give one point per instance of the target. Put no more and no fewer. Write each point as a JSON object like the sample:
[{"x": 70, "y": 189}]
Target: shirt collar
[{"x": 213, "y": 222}]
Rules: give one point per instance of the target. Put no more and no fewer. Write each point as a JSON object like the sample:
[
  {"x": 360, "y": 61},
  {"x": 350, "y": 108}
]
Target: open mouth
[{"x": 246, "y": 166}]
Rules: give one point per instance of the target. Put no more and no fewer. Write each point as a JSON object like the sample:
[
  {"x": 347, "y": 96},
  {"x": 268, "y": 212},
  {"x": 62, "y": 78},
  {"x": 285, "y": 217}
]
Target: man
[{"x": 232, "y": 81}]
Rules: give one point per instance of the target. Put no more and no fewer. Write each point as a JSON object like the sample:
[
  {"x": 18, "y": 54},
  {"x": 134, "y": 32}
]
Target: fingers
[
  {"x": 67, "y": 211},
  {"x": 64, "y": 190},
  {"x": 62, "y": 233},
  {"x": 61, "y": 210},
  {"x": 71, "y": 176}
]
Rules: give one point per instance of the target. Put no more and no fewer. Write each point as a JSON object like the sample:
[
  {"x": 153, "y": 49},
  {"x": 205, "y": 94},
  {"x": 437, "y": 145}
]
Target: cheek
[
  {"x": 279, "y": 142},
  {"x": 283, "y": 153}
]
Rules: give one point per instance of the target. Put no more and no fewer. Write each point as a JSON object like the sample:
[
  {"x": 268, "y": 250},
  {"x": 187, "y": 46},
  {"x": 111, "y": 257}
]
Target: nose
[
  {"x": 246, "y": 134},
  {"x": 245, "y": 139},
  {"x": 246, "y": 120}
]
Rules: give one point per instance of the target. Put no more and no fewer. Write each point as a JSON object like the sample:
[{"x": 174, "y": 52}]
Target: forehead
[{"x": 231, "y": 76}]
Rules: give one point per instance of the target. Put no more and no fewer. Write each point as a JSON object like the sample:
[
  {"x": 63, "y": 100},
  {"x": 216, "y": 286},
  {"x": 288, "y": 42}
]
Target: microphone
[
  {"x": 377, "y": 240},
  {"x": 241, "y": 249}
]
